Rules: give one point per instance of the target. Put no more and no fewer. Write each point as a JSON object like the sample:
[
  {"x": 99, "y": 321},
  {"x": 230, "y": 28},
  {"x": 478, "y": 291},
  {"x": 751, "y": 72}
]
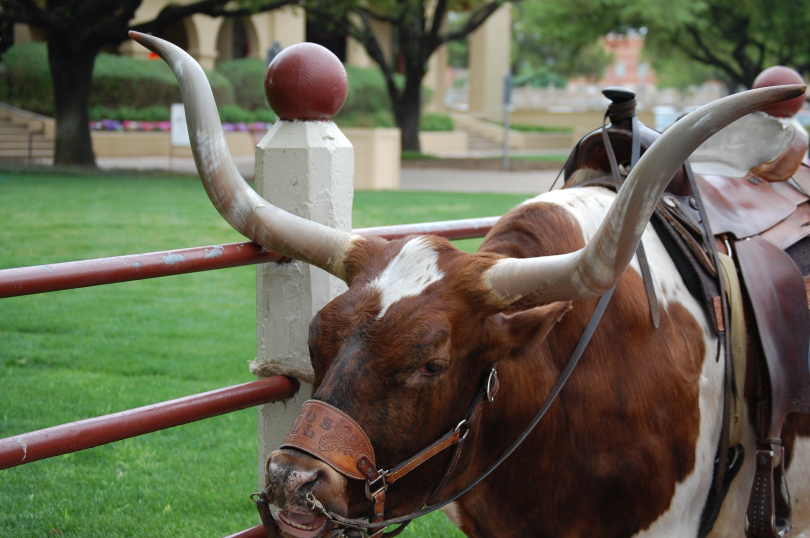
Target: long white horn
[
  {"x": 238, "y": 204},
  {"x": 593, "y": 270}
]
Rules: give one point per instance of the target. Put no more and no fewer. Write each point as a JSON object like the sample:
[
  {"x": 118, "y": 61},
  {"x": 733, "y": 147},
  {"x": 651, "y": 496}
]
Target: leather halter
[{"x": 332, "y": 436}]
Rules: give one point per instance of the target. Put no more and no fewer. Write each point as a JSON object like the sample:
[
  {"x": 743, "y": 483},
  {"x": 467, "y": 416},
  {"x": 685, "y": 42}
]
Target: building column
[
  {"x": 287, "y": 25},
  {"x": 490, "y": 57},
  {"x": 436, "y": 80},
  {"x": 207, "y": 30}
]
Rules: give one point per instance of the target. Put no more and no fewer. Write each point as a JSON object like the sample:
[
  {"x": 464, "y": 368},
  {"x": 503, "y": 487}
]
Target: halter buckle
[
  {"x": 370, "y": 483},
  {"x": 460, "y": 424},
  {"x": 492, "y": 384}
]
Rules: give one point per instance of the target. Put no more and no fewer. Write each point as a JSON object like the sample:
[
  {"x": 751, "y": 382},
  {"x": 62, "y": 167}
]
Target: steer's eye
[{"x": 431, "y": 368}]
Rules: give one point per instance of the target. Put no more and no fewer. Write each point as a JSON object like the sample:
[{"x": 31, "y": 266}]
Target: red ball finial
[
  {"x": 779, "y": 75},
  {"x": 306, "y": 82}
]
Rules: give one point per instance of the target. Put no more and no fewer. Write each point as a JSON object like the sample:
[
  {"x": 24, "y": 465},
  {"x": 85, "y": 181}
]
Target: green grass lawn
[{"x": 76, "y": 354}]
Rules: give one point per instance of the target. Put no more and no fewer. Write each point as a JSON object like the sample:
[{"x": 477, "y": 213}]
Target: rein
[{"x": 343, "y": 445}]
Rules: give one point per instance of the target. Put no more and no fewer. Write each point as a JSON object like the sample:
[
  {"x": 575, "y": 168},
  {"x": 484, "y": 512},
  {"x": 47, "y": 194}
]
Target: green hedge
[
  {"x": 436, "y": 122},
  {"x": 237, "y": 114},
  {"x": 151, "y": 113},
  {"x": 246, "y": 75},
  {"x": 118, "y": 81},
  {"x": 27, "y": 84}
]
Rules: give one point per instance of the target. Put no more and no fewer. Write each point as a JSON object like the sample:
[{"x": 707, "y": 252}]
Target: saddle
[{"x": 740, "y": 208}]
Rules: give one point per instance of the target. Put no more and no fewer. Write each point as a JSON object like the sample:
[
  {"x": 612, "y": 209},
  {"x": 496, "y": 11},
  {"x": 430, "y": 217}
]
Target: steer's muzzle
[{"x": 289, "y": 476}]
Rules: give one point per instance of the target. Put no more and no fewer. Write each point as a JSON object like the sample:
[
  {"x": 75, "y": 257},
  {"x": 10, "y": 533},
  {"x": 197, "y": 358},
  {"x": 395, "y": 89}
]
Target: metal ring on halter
[
  {"x": 492, "y": 384},
  {"x": 384, "y": 486},
  {"x": 460, "y": 424}
]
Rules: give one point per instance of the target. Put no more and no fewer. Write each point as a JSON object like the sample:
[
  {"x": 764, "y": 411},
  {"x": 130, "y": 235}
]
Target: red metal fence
[{"x": 75, "y": 436}]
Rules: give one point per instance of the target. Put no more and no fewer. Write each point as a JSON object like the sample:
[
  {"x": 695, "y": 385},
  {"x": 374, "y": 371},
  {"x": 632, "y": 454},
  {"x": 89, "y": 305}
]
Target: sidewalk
[
  {"x": 411, "y": 179},
  {"x": 428, "y": 179}
]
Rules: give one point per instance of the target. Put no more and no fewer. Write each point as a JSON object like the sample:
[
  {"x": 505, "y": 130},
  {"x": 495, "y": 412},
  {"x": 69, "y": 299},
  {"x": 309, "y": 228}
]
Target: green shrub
[
  {"x": 367, "y": 92},
  {"x": 246, "y": 75},
  {"x": 540, "y": 128},
  {"x": 118, "y": 81},
  {"x": 235, "y": 114},
  {"x": 138, "y": 83},
  {"x": 122, "y": 81},
  {"x": 155, "y": 113},
  {"x": 436, "y": 122},
  {"x": 150, "y": 113},
  {"x": 413, "y": 155},
  {"x": 29, "y": 78},
  {"x": 382, "y": 118},
  {"x": 222, "y": 88},
  {"x": 264, "y": 114}
]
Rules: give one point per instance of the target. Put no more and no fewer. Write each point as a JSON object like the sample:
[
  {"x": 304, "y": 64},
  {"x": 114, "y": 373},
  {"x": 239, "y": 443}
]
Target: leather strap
[
  {"x": 449, "y": 439},
  {"x": 738, "y": 343},
  {"x": 646, "y": 276}
]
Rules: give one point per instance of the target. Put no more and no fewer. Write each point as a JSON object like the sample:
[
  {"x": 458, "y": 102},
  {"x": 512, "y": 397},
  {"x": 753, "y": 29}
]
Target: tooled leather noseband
[
  {"x": 330, "y": 435},
  {"x": 337, "y": 440}
]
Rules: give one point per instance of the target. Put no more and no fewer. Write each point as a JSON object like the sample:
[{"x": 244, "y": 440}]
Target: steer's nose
[{"x": 291, "y": 474}]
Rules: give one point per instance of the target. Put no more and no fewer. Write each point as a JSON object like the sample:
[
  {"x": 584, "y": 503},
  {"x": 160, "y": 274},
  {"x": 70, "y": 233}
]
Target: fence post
[{"x": 306, "y": 168}]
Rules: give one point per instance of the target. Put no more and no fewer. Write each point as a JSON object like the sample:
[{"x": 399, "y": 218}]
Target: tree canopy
[
  {"x": 542, "y": 57},
  {"x": 736, "y": 39}
]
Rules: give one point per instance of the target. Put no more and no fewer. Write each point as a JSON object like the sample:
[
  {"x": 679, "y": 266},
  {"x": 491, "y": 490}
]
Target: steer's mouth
[{"x": 300, "y": 525}]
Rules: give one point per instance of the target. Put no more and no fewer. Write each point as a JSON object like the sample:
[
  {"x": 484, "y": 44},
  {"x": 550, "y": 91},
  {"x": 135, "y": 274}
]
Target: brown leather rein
[{"x": 329, "y": 434}]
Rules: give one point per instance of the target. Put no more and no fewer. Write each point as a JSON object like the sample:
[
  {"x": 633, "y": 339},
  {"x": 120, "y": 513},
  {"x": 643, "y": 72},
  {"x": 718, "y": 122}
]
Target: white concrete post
[{"x": 306, "y": 168}]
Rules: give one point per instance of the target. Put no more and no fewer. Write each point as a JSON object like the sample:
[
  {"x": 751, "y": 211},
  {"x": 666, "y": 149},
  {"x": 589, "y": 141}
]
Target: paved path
[
  {"x": 411, "y": 179},
  {"x": 428, "y": 179}
]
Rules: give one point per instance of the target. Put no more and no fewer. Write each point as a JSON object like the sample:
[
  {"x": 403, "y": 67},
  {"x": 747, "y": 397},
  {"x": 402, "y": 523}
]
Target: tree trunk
[
  {"x": 71, "y": 67},
  {"x": 407, "y": 109}
]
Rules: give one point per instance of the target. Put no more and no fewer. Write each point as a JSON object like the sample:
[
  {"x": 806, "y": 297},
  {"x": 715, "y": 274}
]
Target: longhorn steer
[{"x": 628, "y": 447}]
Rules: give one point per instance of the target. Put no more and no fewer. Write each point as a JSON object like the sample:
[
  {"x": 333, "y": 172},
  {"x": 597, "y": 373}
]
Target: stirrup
[{"x": 769, "y": 513}]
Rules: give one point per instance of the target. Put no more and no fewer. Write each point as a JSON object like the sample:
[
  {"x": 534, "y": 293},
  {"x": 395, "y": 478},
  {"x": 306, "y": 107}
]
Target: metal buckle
[
  {"x": 492, "y": 384},
  {"x": 369, "y": 483},
  {"x": 460, "y": 424}
]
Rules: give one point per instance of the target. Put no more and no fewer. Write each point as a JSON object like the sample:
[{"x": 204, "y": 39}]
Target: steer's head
[
  {"x": 401, "y": 354},
  {"x": 404, "y": 351}
]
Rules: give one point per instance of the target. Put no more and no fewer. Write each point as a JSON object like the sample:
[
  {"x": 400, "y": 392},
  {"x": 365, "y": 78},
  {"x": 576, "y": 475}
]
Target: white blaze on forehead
[{"x": 410, "y": 272}]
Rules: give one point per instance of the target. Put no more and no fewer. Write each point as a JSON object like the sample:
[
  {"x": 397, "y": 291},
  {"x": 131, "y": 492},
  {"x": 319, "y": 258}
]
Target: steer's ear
[{"x": 533, "y": 325}]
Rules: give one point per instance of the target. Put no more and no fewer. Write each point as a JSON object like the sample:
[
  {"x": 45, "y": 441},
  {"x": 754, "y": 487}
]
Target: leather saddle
[{"x": 754, "y": 191}]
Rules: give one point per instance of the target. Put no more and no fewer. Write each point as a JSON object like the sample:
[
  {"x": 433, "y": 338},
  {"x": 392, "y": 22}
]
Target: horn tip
[{"x": 143, "y": 39}]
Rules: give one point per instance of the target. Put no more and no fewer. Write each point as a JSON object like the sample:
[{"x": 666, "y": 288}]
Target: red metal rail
[
  {"x": 85, "y": 273},
  {"x": 75, "y": 436}
]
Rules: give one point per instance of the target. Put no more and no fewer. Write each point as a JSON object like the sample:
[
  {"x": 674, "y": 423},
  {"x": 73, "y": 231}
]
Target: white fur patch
[{"x": 410, "y": 272}]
